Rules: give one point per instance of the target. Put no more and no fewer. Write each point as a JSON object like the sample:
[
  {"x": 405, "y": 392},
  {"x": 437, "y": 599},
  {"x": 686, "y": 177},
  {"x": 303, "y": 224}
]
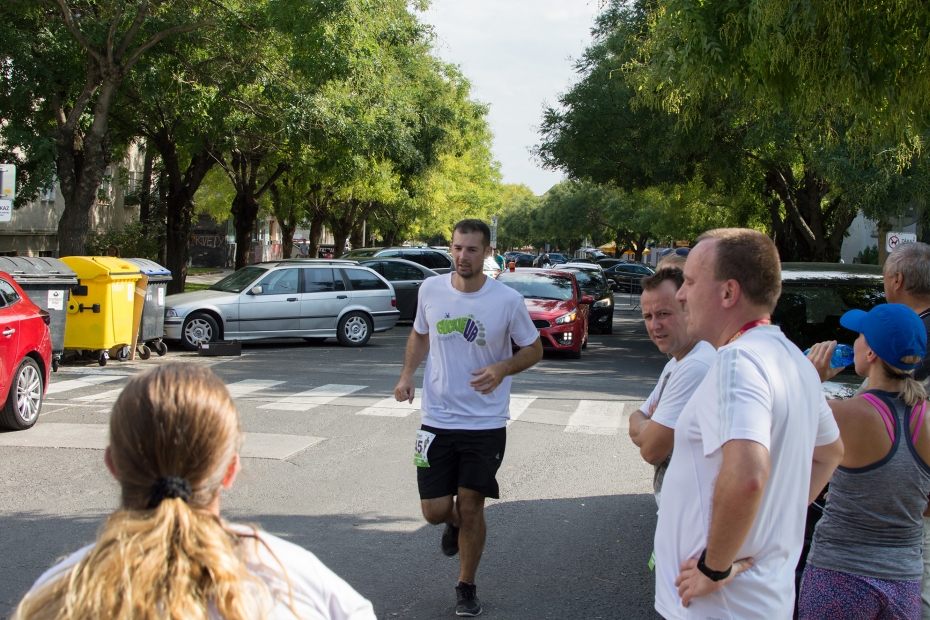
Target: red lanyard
[{"x": 749, "y": 326}]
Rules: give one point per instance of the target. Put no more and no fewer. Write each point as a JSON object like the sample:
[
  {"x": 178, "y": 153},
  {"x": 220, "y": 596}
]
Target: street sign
[
  {"x": 7, "y": 182},
  {"x": 6, "y": 210},
  {"x": 894, "y": 239},
  {"x": 494, "y": 232}
]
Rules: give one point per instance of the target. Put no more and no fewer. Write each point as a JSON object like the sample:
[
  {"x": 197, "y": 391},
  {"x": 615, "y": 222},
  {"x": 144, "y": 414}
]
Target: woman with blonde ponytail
[
  {"x": 174, "y": 442},
  {"x": 866, "y": 556}
]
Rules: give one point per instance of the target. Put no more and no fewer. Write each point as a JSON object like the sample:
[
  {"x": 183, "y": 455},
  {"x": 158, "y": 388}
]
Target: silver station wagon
[{"x": 308, "y": 298}]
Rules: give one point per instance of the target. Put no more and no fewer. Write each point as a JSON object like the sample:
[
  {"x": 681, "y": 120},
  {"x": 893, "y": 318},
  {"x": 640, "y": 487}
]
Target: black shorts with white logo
[{"x": 468, "y": 459}]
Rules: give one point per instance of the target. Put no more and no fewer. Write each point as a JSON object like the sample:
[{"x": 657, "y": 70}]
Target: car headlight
[
  {"x": 604, "y": 303},
  {"x": 568, "y": 318},
  {"x": 171, "y": 313}
]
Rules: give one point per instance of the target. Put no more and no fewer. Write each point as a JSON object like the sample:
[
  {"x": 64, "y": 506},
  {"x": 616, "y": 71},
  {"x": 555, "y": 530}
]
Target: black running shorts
[{"x": 468, "y": 459}]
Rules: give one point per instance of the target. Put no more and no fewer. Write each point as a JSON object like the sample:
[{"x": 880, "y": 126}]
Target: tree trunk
[
  {"x": 243, "y": 172},
  {"x": 316, "y": 231},
  {"x": 145, "y": 187},
  {"x": 287, "y": 220},
  {"x": 179, "y": 190},
  {"x": 82, "y": 159},
  {"x": 355, "y": 237}
]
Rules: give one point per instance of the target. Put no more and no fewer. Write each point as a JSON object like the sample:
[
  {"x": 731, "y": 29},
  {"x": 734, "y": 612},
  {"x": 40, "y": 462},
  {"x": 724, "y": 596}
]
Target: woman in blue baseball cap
[{"x": 866, "y": 557}]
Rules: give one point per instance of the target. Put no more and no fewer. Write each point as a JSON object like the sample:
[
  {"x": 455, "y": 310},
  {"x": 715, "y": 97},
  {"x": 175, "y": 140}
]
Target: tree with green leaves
[{"x": 66, "y": 62}]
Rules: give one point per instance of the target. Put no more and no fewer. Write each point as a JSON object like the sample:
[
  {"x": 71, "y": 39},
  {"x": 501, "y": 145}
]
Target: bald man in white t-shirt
[{"x": 755, "y": 444}]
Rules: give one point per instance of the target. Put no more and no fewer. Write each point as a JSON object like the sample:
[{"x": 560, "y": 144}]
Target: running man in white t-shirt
[
  {"x": 466, "y": 322},
  {"x": 753, "y": 447},
  {"x": 652, "y": 427}
]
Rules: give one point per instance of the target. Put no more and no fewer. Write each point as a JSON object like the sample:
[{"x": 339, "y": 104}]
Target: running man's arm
[
  {"x": 488, "y": 378},
  {"x": 654, "y": 440},
  {"x": 417, "y": 348}
]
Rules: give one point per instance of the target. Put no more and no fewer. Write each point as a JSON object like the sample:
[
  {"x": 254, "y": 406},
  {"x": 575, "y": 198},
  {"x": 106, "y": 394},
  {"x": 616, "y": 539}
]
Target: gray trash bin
[
  {"x": 152, "y": 329},
  {"x": 48, "y": 282}
]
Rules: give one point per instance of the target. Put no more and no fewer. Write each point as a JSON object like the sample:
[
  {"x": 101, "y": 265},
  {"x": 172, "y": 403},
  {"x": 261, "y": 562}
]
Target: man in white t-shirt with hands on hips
[
  {"x": 755, "y": 444},
  {"x": 465, "y": 321}
]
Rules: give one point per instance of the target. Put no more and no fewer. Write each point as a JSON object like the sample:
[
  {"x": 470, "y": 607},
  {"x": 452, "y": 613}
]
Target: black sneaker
[
  {"x": 450, "y": 540},
  {"x": 467, "y": 603}
]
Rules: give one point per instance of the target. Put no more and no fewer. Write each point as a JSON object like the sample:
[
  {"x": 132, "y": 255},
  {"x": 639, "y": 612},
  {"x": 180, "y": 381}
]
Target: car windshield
[
  {"x": 236, "y": 282},
  {"x": 591, "y": 282},
  {"x": 538, "y": 285},
  {"x": 366, "y": 253},
  {"x": 560, "y": 257}
]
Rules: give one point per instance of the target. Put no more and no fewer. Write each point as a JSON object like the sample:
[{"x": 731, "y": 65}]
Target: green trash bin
[
  {"x": 152, "y": 329},
  {"x": 48, "y": 282}
]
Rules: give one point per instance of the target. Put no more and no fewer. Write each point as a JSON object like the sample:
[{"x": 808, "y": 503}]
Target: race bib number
[{"x": 420, "y": 449}]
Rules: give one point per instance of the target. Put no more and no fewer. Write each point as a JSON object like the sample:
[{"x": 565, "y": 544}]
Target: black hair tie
[{"x": 170, "y": 487}]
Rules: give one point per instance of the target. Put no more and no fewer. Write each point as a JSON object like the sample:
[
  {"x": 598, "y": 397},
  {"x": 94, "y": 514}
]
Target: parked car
[
  {"x": 310, "y": 298},
  {"x": 431, "y": 258},
  {"x": 25, "y": 356},
  {"x": 554, "y": 259},
  {"x": 520, "y": 259},
  {"x": 607, "y": 263},
  {"x": 627, "y": 277},
  {"x": 557, "y": 305},
  {"x": 406, "y": 277},
  {"x": 592, "y": 281},
  {"x": 815, "y": 295},
  {"x": 586, "y": 261}
]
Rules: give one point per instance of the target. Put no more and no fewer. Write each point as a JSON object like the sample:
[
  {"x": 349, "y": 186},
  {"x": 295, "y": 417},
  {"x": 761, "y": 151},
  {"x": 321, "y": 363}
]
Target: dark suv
[
  {"x": 431, "y": 258},
  {"x": 592, "y": 282},
  {"x": 815, "y": 295}
]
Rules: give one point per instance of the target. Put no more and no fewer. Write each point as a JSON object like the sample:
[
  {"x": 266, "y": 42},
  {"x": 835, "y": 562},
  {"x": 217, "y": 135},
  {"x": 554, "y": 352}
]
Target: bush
[
  {"x": 132, "y": 241},
  {"x": 869, "y": 256}
]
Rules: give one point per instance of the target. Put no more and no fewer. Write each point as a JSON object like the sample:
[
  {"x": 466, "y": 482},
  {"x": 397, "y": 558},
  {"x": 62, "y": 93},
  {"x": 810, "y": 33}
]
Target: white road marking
[
  {"x": 94, "y": 437},
  {"x": 518, "y": 404},
  {"x": 241, "y": 388},
  {"x": 596, "y": 417},
  {"x": 304, "y": 401},
  {"x": 390, "y": 408},
  {"x": 109, "y": 395},
  {"x": 76, "y": 384}
]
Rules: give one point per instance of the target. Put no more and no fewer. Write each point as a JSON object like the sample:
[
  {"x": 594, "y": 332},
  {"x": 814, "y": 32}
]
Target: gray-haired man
[{"x": 907, "y": 281}]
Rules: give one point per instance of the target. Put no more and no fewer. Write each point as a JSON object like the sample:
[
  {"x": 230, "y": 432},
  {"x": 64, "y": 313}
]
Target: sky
[{"x": 517, "y": 54}]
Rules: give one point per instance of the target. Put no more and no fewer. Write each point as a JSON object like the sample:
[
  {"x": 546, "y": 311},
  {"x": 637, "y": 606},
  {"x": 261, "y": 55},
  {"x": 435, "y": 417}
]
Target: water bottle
[{"x": 842, "y": 356}]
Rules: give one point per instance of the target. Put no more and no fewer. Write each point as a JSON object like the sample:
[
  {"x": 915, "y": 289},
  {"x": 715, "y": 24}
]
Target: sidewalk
[{"x": 210, "y": 278}]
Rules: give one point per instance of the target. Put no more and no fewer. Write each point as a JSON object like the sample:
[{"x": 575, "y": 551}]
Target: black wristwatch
[{"x": 713, "y": 575}]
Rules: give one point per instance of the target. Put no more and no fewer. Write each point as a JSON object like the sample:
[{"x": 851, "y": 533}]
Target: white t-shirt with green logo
[{"x": 467, "y": 332}]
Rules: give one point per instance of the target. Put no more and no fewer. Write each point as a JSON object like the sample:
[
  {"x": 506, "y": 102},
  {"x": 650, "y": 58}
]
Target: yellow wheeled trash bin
[{"x": 101, "y": 308}]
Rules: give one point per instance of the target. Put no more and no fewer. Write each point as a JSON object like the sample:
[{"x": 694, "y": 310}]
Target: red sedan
[
  {"x": 25, "y": 356},
  {"x": 558, "y": 308}
]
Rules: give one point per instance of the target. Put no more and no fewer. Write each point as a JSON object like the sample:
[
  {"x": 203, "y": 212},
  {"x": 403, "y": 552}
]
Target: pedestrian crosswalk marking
[
  {"x": 95, "y": 437},
  {"x": 108, "y": 395},
  {"x": 391, "y": 408},
  {"x": 76, "y": 384},
  {"x": 596, "y": 417},
  {"x": 304, "y": 401},
  {"x": 247, "y": 386},
  {"x": 519, "y": 404}
]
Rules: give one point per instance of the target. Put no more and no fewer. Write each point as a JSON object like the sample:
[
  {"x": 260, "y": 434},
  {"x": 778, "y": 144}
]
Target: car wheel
[
  {"x": 354, "y": 330},
  {"x": 574, "y": 355},
  {"x": 314, "y": 339},
  {"x": 198, "y": 328},
  {"x": 24, "y": 402}
]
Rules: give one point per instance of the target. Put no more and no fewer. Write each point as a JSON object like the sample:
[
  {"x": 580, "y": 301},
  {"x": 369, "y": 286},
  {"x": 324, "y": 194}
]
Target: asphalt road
[{"x": 569, "y": 538}]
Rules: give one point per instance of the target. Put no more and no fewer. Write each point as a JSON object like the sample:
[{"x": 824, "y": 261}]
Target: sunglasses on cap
[{"x": 678, "y": 251}]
